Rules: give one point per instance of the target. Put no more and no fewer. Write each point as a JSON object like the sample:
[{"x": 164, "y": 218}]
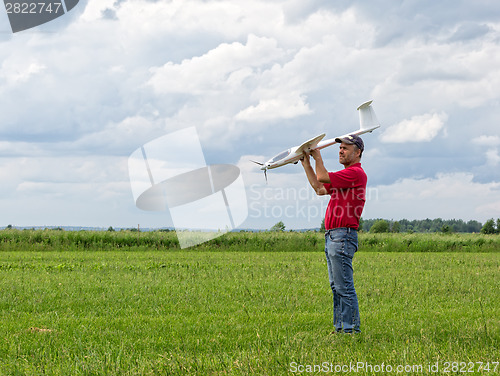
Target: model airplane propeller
[{"x": 368, "y": 123}]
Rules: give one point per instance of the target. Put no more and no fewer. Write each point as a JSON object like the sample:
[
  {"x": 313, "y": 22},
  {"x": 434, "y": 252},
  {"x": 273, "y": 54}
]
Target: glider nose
[{"x": 264, "y": 167}]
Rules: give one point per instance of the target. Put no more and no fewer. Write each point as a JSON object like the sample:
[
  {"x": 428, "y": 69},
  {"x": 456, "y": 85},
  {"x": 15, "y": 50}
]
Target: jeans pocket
[
  {"x": 335, "y": 243},
  {"x": 335, "y": 236}
]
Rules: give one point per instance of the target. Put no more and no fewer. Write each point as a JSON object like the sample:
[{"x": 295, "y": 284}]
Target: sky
[{"x": 82, "y": 93}]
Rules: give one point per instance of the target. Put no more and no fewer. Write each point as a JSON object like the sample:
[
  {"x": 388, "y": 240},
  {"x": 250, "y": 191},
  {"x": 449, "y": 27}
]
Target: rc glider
[{"x": 368, "y": 123}]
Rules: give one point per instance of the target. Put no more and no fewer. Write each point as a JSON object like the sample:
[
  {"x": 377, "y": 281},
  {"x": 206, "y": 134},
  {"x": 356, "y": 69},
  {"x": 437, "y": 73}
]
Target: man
[{"x": 347, "y": 189}]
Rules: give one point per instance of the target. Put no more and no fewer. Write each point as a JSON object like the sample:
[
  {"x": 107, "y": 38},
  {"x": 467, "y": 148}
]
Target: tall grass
[
  {"x": 431, "y": 242},
  {"x": 241, "y": 241}
]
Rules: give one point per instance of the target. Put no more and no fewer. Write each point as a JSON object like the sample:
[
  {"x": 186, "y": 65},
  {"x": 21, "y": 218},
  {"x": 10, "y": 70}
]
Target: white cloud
[
  {"x": 448, "y": 196},
  {"x": 16, "y": 71},
  {"x": 286, "y": 106},
  {"x": 438, "y": 73},
  {"x": 492, "y": 157},
  {"x": 487, "y": 140},
  {"x": 94, "y": 9},
  {"x": 232, "y": 19},
  {"x": 208, "y": 73},
  {"x": 118, "y": 137},
  {"x": 421, "y": 128},
  {"x": 491, "y": 154}
]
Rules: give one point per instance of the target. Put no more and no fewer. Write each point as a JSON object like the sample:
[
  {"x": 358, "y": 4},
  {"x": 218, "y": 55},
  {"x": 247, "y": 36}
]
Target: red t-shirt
[{"x": 348, "y": 196}]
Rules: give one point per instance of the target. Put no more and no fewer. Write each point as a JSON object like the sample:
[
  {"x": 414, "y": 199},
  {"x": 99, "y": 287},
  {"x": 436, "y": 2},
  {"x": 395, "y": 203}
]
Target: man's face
[{"x": 348, "y": 154}]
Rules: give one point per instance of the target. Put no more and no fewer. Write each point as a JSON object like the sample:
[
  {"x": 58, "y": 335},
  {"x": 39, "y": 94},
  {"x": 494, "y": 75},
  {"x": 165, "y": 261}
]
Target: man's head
[{"x": 351, "y": 149}]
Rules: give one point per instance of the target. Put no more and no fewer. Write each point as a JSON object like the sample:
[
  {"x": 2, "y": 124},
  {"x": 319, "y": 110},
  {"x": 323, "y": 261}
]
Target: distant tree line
[{"x": 429, "y": 225}]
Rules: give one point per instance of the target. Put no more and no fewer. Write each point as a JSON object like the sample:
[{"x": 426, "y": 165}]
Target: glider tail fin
[{"x": 367, "y": 117}]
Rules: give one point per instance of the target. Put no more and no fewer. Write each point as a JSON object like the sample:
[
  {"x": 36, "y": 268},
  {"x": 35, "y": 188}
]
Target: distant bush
[
  {"x": 280, "y": 226},
  {"x": 489, "y": 227},
  {"x": 380, "y": 226}
]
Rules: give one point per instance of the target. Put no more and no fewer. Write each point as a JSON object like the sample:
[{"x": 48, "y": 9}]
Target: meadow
[{"x": 129, "y": 303}]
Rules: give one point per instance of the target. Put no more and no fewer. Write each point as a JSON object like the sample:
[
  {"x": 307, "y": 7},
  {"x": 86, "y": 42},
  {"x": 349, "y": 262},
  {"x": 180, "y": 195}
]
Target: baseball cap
[{"x": 352, "y": 140}]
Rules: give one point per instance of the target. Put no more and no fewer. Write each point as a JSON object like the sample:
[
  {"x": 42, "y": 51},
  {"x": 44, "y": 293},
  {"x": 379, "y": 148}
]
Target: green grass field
[{"x": 244, "y": 304}]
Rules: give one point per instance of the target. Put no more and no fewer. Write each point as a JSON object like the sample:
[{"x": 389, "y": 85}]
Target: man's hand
[
  {"x": 305, "y": 159},
  {"x": 315, "y": 153}
]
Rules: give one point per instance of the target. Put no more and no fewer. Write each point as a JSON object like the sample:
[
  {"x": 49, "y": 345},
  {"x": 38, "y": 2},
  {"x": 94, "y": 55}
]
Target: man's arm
[
  {"x": 321, "y": 171},
  {"x": 318, "y": 187}
]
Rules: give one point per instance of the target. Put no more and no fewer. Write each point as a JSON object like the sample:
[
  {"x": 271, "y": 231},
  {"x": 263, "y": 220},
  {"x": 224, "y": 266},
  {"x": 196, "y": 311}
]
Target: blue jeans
[{"x": 340, "y": 246}]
